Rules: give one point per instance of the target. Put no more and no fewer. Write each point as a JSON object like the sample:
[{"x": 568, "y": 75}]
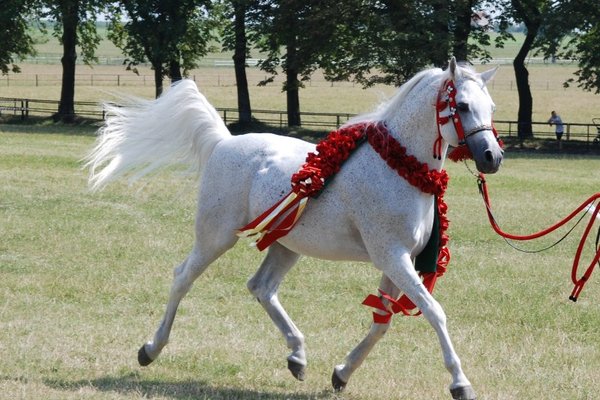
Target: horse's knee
[
  {"x": 178, "y": 270},
  {"x": 190, "y": 268},
  {"x": 254, "y": 288},
  {"x": 261, "y": 289},
  {"x": 379, "y": 330},
  {"x": 434, "y": 313}
]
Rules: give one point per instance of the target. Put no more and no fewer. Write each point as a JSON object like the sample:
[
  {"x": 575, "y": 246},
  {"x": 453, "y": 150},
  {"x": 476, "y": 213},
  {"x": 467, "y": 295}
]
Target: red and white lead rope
[{"x": 587, "y": 205}]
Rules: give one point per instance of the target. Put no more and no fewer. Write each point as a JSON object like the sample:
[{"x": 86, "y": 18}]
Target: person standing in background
[{"x": 555, "y": 119}]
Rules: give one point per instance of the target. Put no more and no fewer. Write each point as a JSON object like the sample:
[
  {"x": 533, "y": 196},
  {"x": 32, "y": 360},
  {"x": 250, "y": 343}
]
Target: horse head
[{"x": 469, "y": 108}]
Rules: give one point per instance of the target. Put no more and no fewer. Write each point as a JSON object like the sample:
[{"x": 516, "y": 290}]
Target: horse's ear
[
  {"x": 488, "y": 75},
  {"x": 453, "y": 67}
]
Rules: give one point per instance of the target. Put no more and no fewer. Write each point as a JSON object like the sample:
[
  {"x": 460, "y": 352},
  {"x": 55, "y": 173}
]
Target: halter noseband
[
  {"x": 477, "y": 129},
  {"x": 447, "y": 100}
]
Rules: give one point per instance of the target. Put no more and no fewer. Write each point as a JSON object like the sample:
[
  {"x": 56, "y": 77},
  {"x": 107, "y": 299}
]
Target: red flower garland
[
  {"x": 326, "y": 161},
  {"x": 336, "y": 148}
]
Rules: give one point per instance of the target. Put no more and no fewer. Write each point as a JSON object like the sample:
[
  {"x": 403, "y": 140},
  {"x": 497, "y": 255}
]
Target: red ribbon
[{"x": 401, "y": 305}]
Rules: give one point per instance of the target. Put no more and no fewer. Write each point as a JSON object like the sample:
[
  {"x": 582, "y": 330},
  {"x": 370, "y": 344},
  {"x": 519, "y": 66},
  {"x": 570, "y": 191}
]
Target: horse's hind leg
[
  {"x": 342, "y": 372},
  {"x": 264, "y": 285},
  {"x": 183, "y": 278}
]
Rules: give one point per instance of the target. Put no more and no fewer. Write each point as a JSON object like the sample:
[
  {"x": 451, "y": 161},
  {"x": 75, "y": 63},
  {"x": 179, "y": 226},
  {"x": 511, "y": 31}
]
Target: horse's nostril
[{"x": 489, "y": 157}]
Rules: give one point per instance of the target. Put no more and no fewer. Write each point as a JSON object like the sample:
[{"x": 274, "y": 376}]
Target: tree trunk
[
  {"x": 292, "y": 87},
  {"x": 239, "y": 62},
  {"x": 175, "y": 71},
  {"x": 463, "y": 15},
  {"x": 530, "y": 14},
  {"x": 293, "y": 99},
  {"x": 524, "y": 123},
  {"x": 66, "y": 107},
  {"x": 158, "y": 79}
]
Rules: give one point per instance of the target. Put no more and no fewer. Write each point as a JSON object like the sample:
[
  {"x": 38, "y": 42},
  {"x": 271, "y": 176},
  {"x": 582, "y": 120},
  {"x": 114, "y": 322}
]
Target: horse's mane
[{"x": 386, "y": 109}]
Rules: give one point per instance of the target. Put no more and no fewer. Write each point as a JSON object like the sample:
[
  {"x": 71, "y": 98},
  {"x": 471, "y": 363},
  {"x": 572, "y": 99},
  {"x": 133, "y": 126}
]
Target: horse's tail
[{"x": 179, "y": 127}]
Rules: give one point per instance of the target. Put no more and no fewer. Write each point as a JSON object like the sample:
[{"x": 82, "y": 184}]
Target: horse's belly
[{"x": 320, "y": 246}]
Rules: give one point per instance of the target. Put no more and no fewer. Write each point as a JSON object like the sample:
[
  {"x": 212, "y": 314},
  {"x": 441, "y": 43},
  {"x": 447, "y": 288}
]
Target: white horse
[{"x": 368, "y": 213}]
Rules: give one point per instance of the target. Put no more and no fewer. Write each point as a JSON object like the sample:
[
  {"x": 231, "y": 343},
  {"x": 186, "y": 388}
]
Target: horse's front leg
[
  {"x": 354, "y": 359},
  {"x": 400, "y": 270},
  {"x": 264, "y": 285}
]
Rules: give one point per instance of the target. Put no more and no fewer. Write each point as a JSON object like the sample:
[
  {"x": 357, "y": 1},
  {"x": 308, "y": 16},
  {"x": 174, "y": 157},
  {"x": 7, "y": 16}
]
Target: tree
[
  {"x": 530, "y": 12},
  {"x": 471, "y": 22},
  {"x": 296, "y": 36},
  {"x": 16, "y": 41},
  {"x": 235, "y": 37},
  {"x": 588, "y": 48},
  {"x": 171, "y": 35},
  {"x": 75, "y": 25},
  {"x": 387, "y": 41},
  {"x": 547, "y": 23},
  {"x": 573, "y": 32}
]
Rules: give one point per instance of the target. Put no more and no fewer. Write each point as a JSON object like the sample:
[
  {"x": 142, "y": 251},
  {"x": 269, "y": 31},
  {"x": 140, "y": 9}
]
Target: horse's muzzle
[
  {"x": 490, "y": 161},
  {"x": 486, "y": 150}
]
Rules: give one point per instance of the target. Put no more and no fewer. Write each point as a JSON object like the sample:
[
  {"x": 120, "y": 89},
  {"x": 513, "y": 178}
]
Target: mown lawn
[{"x": 85, "y": 278}]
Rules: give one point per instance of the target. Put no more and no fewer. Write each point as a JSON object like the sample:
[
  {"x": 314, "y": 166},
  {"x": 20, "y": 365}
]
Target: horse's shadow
[{"x": 133, "y": 384}]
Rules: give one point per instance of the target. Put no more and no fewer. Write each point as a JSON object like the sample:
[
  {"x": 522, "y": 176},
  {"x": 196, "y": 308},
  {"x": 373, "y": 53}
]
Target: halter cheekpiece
[{"x": 447, "y": 112}]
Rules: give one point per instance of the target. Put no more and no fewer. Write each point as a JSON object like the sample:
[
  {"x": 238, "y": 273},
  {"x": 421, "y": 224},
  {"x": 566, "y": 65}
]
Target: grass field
[{"x": 86, "y": 276}]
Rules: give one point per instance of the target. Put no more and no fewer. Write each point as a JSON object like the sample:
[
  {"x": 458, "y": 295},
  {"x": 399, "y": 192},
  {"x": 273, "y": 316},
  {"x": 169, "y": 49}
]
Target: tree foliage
[
  {"x": 17, "y": 41},
  {"x": 573, "y": 32},
  {"x": 387, "y": 42},
  {"x": 171, "y": 34},
  {"x": 588, "y": 48}
]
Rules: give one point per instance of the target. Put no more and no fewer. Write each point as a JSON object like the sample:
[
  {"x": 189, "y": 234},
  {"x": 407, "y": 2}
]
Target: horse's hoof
[
  {"x": 463, "y": 393},
  {"x": 337, "y": 383},
  {"x": 297, "y": 369},
  {"x": 143, "y": 357}
]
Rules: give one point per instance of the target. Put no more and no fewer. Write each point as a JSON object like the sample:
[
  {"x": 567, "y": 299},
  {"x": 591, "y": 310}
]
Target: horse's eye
[{"x": 462, "y": 106}]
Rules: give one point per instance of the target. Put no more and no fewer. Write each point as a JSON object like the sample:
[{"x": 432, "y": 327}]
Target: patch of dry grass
[{"x": 86, "y": 276}]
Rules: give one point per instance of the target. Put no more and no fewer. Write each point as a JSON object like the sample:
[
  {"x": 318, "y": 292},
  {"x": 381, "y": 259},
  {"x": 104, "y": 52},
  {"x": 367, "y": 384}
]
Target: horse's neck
[{"x": 414, "y": 126}]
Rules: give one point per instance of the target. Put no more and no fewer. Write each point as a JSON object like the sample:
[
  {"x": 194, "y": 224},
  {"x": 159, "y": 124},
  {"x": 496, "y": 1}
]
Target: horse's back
[
  {"x": 262, "y": 163},
  {"x": 246, "y": 174}
]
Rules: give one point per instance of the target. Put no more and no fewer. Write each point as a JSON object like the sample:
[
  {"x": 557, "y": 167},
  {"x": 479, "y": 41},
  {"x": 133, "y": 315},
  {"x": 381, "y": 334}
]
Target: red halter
[{"x": 447, "y": 100}]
